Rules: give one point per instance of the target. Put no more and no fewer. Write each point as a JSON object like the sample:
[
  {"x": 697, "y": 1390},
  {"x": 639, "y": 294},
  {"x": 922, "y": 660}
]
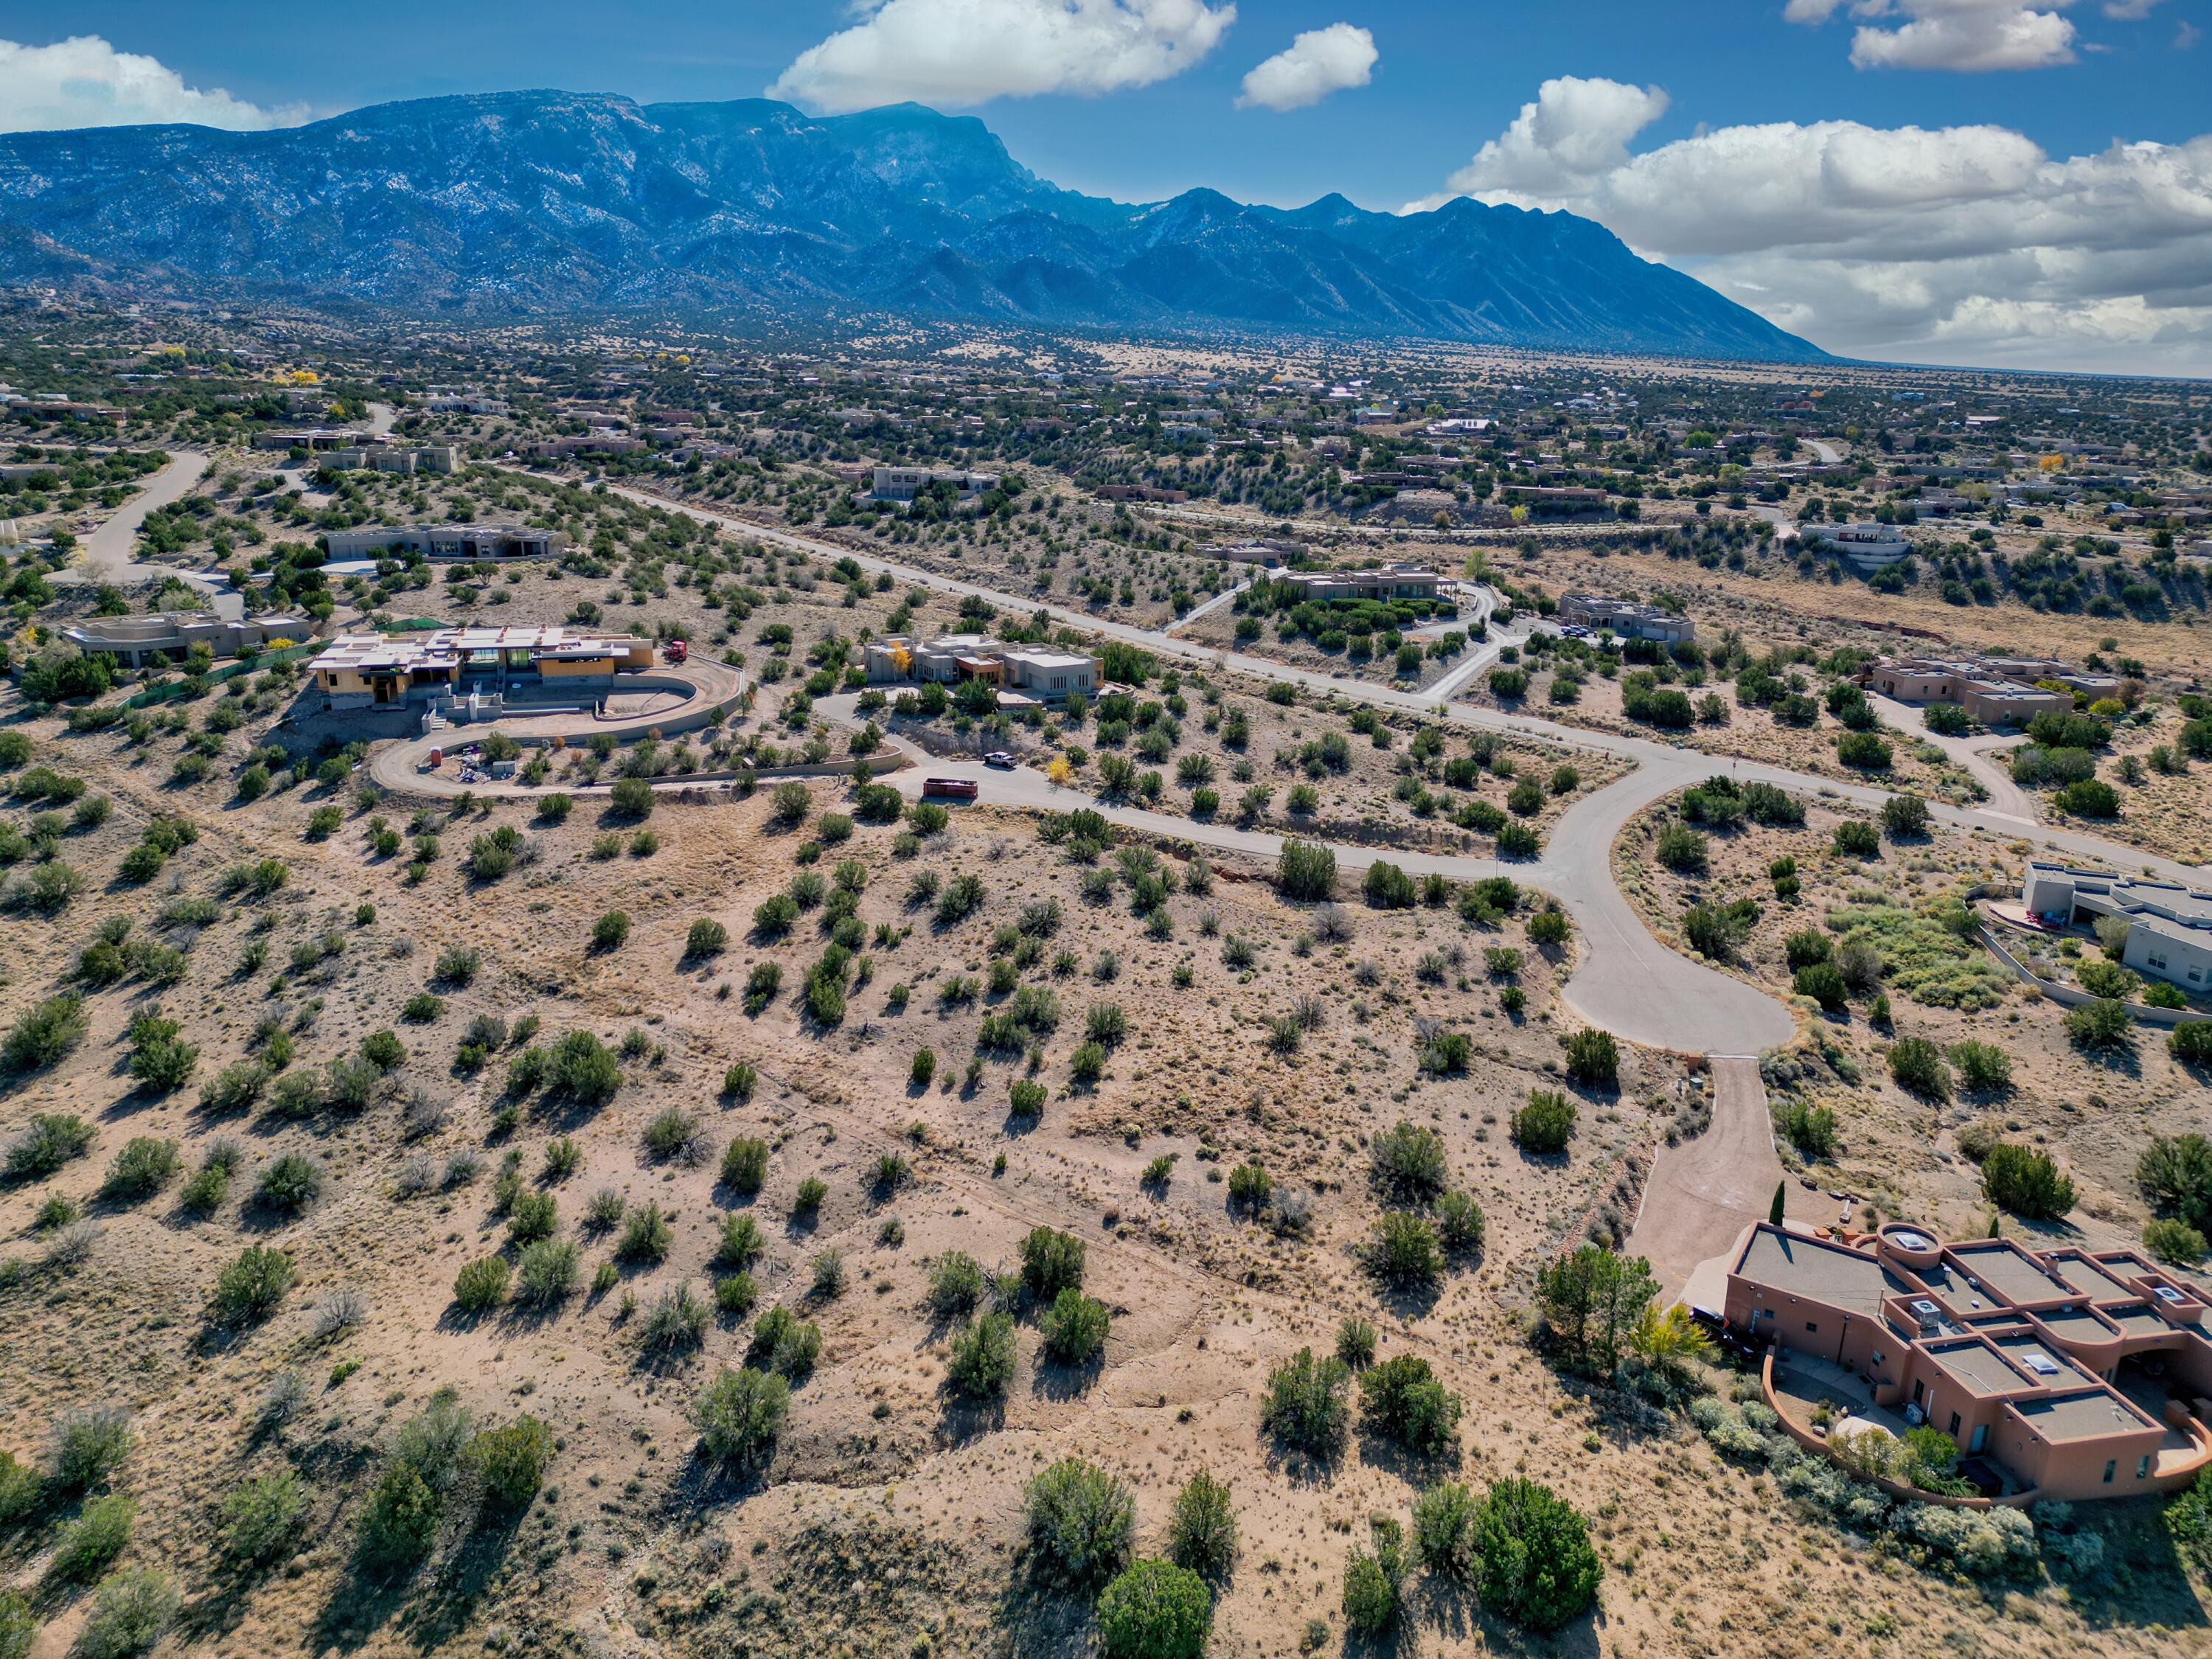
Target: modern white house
[
  {"x": 2169, "y": 926},
  {"x": 1864, "y": 546},
  {"x": 447, "y": 541},
  {"x": 224, "y": 629},
  {"x": 1390, "y": 582},
  {"x": 903, "y": 483}
]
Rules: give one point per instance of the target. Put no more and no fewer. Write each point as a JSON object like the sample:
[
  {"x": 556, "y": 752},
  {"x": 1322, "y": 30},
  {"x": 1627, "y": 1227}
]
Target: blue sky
[{"x": 1714, "y": 137}]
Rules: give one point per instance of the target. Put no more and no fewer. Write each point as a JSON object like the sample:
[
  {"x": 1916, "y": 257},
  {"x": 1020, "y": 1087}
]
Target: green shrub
[
  {"x": 399, "y": 1522},
  {"x": 2175, "y": 1174},
  {"x": 1405, "y": 1164},
  {"x": 784, "y": 1343},
  {"x": 1855, "y": 838},
  {"x": 547, "y": 1271},
  {"x": 1387, "y": 887},
  {"x": 1304, "y": 1407},
  {"x": 1545, "y": 1124},
  {"x": 142, "y": 1168},
  {"x": 739, "y": 1413},
  {"x": 531, "y": 1216},
  {"x": 1051, "y": 1262},
  {"x": 1306, "y": 871},
  {"x": 481, "y": 1285},
  {"x": 744, "y": 1165},
  {"x": 2026, "y": 1183},
  {"x": 611, "y": 931},
  {"x": 42, "y": 1035},
  {"x": 1074, "y": 1327},
  {"x": 1537, "y": 1569},
  {"x": 1202, "y": 1526},
  {"x": 252, "y": 1284},
  {"x": 2099, "y": 1026},
  {"x": 2191, "y": 1042},
  {"x": 1082, "y": 1519},
  {"x": 19, "y": 1489},
  {"x": 90, "y": 1444},
  {"x": 1355, "y": 1342},
  {"x": 47, "y": 1142},
  {"x": 1402, "y": 1399},
  {"x": 1682, "y": 849},
  {"x": 1443, "y": 1529},
  {"x": 1375, "y": 1583},
  {"x": 1154, "y": 1610},
  {"x": 981, "y": 1362},
  {"x": 1919, "y": 1068},
  {"x": 645, "y": 1235},
  {"x": 1459, "y": 1224},
  {"x": 512, "y": 1460},
  {"x": 130, "y": 1612},
  {"x": 1984, "y": 1067},
  {"x": 261, "y": 1518},
  {"x": 2173, "y": 1241},
  {"x": 707, "y": 937},
  {"x": 1402, "y": 1249},
  {"x": 92, "y": 1540},
  {"x": 1592, "y": 1058},
  {"x": 1824, "y": 983},
  {"x": 1810, "y": 1129},
  {"x": 1248, "y": 1187},
  {"x": 582, "y": 1067}
]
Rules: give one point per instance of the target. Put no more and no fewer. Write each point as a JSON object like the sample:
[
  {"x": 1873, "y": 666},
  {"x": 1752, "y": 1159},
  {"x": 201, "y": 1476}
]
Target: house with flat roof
[
  {"x": 371, "y": 671},
  {"x": 2059, "y": 1373},
  {"x": 1389, "y": 581},
  {"x": 224, "y": 629},
  {"x": 1994, "y": 693},
  {"x": 447, "y": 541},
  {"x": 903, "y": 483},
  {"x": 2169, "y": 926},
  {"x": 1024, "y": 673},
  {"x": 431, "y": 458},
  {"x": 1864, "y": 547},
  {"x": 1625, "y": 618}
]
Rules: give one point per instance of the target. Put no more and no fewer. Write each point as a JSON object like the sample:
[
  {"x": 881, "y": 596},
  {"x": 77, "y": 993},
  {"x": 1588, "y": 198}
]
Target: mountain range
[{"x": 530, "y": 204}]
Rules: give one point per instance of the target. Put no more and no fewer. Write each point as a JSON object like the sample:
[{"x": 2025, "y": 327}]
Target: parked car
[
  {"x": 950, "y": 788},
  {"x": 999, "y": 758}
]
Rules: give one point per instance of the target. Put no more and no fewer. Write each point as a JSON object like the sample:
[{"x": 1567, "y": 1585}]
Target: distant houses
[{"x": 903, "y": 483}]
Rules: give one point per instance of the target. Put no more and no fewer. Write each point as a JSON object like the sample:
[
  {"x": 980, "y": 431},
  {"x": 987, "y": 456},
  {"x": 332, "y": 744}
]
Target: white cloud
[
  {"x": 1956, "y": 34},
  {"x": 1315, "y": 64},
  {"x": 1955, "y": 244},
  {"x": 956, "y": 54},
  {"x": 1575, "y": 132},
  {"x": 85, "y": 82}
]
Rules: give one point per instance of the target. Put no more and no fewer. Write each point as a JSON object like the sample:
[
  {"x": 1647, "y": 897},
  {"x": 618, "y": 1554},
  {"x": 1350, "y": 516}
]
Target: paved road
[
  {"x": 2006, "y": 797},
  {"x": 108, "y": 550},
  {"x": 1625, "y": 980},
  {"x": 1208, "y": 608},
  {"x": 1703, "y": 1191},
  {"x": 1829, "y": 454}
]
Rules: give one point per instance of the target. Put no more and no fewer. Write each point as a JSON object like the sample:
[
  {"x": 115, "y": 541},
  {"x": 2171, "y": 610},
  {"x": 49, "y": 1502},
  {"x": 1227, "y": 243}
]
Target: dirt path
[{"x": 1704, "y": 1190}]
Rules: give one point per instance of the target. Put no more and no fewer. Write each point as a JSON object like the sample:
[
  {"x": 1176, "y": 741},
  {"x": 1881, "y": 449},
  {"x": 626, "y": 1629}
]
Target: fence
[{"x": 170, "y": 693}]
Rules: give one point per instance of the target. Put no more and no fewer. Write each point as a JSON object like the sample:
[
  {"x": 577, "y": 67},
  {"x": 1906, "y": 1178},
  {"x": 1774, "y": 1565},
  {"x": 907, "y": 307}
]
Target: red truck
[
  {"x": 676, "y": 650},
  {"x": 950, "y": 788}
]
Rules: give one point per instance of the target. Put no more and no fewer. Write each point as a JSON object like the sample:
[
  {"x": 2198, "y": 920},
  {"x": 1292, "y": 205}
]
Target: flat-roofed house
[
  {"x": 2169, "y": 926},
  {"x": 1389, "y": 581},
  {"x": 226, "y": 630},
  {"x": 447, "y": 541},
  {"x": 1626, "y": 618},
  {"x": 2068, "y": 1374},
  {"x": 366, "y": 670}
]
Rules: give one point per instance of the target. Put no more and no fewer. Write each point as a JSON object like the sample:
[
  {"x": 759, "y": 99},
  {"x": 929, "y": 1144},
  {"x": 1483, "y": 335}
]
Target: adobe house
[{"x": 2059, "y": 1373}]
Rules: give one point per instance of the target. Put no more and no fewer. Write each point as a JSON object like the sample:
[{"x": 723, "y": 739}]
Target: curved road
[
  {"x": 1626, "y": 980},
  {"x": 107, "y": 551}
]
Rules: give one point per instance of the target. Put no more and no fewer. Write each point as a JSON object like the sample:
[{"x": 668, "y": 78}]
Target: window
[
  {"x": 2111, "y": 1467},
  {"x": 1953, "y": 1430},
  {"x": 2155, "y": 959},
  {"x": 2142, "y": 1467}
]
